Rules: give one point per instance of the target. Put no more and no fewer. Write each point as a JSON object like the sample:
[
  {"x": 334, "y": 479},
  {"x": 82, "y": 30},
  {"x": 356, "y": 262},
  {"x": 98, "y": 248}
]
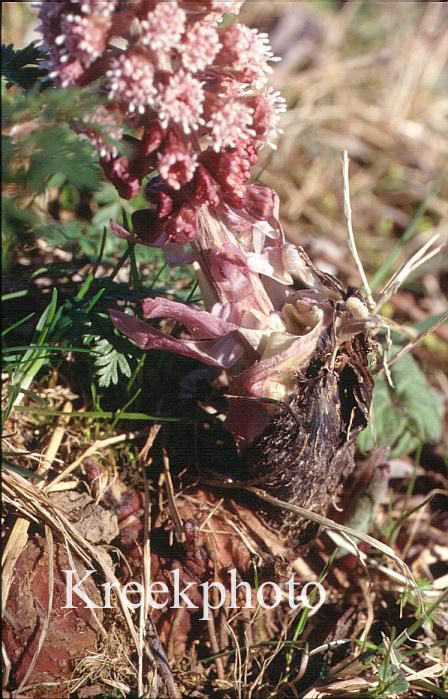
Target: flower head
[
  {"x": 182, "y": 225},
  {"x": 101, "y": 7},
  {"x": 84, "y": 38},
  {"x": 245, "y": 55},
  {"x": 103, "y": 119},
  {"x": 230, "y": 123},
  {"x": 163, "y": 27},
  {"x": 199, "y": 47},
  {"x": 176, "y": 164},
  {"x": 131, "y": 81},
  {"x": 267, "y": 108},
  {"x": 181, "y": 101}
]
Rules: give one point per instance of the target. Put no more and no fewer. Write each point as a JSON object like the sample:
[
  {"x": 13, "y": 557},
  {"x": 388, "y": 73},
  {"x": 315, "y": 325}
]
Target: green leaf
[
  {"x": 22, "y": 66},
  {"x": 21, "y": 471},
  {"x": 95, "y": 414},
  {"x": 407, "y": 416},
  {"x": 110, "y": 362},
  {"x": 33, "y": 359}
]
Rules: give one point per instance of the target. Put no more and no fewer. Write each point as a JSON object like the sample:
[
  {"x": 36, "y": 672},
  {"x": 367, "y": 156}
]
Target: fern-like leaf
[
  {"x": 23, "y": 67},
  {"x": 110, "y": 362}
]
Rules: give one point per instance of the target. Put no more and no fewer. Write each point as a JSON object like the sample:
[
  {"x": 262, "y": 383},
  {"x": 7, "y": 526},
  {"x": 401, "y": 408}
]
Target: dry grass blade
[
  {"x": 96, "y": 446},
  {"x": 351, "y": 236},
  {"x": 347, "y": 532},
  {"x": 413, "y": 343},
  {"x": 18, "y": 538},
  {"x": 410, "y": 266}
]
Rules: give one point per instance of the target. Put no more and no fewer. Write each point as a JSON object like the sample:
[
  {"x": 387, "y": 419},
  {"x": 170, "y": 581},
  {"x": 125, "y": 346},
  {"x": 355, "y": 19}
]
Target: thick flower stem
[{"x": 213, "y": 234}]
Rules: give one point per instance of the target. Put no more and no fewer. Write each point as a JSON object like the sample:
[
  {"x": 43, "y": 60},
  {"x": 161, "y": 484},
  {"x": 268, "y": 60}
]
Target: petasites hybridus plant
[{"x": 193, "y": 92}]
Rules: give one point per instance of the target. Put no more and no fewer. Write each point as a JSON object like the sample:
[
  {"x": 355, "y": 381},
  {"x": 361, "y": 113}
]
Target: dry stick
[
  {"x": 46, "y": 624},
  {"x": 159, "y": 654},
  {"x": 351, "y": 236},
  {"x": 178, "y": 526},
  {"x": 215, "y": 646},
  {"x": 212, "y": 633},
  {"x": 144, "y": 608},
  {"x": 223, "y": 635},
  {"x": 55, "y": 441},
  {"x": 152, "y": 434},
  {"x": 177, "y": 620}
]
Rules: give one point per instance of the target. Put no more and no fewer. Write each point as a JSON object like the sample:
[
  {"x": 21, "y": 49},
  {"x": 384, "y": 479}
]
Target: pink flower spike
[
  {"x": 205, "y": 187},
  {"x": 200, "y": 324},
  {"x": 103, "y": 118},
  {"x": 102, "y": 7},
  {"x": 260, "y": 202},
  {"x": 181, "y": 100},
  {"x": 267, "y": 109},
  {"x": 223, "y": 352},
  {"x": 152, "y": 137},
  {"x": 117, "y": 171}
]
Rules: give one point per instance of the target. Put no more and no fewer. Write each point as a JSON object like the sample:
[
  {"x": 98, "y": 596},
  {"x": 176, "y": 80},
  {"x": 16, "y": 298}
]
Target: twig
[
  {"x": 152, "y": 434},
  {"x": 215, "y": 646},
  {"x": 351, "y": 236},
  {"x": 18, "y": 538}
]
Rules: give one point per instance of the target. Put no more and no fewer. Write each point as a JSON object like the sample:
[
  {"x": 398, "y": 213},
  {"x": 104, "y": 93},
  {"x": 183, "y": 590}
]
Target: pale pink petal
[
  {"x": 200, "y": 324},
  {"x": 276, "y": 376},
  {"x": 271, "y": 263},
  {"x": 121, "y": 232},
  {"x": 223, "y": 352}
]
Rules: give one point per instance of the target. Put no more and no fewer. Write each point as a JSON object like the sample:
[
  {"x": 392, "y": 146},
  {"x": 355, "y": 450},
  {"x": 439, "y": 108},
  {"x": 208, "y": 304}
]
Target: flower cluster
[{"x": 193, "y": 92}]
